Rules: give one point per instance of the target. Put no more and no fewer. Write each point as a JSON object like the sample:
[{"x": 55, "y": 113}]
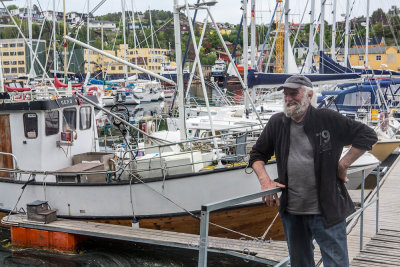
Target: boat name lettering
[{"x": 66, "y": 101}]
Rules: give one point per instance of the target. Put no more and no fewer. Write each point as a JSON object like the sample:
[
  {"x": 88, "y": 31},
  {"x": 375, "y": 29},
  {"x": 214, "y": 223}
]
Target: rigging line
[
  {"x": 20, "y": 195},
  {"x": 147, "y": 37},
  {"x": 189, "y": 212}
]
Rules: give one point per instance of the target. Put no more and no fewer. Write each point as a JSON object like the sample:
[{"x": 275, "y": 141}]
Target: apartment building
[
  {"x": 15, "y": 57},
  {"x": 148, "y": 58}
]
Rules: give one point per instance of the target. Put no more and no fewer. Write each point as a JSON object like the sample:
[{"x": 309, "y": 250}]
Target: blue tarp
[{"x": 94, "y": 81}]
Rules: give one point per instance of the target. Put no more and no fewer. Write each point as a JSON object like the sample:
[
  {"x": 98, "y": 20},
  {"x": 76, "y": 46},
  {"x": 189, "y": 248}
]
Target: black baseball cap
[{"x": 295, "y": 81}]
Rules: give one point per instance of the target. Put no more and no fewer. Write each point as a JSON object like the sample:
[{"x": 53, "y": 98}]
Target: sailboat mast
[
  {"x": 245, "y": 49},
  {"x": 286, "y": 39},
  {"x": 134, "y": 36},
  {"x": 311, "y": 38},
  {"x": 54, "y": 40},
  {"x": 367, "y": 37},
  {"x": 152, "y": 37},
  {"x": 124, "y": 35},
  {"x": 179, "y": 74},
  {"x": 253, "y": 43},
  {"x": 346, "y": 40},
  {"x": 65, "y": 42},
  {"x": 30, "y": 36},
  {"x": 88, "y": 35},
  {"x": 322, "y": 27},
  {"x": 333, "y": 47}
]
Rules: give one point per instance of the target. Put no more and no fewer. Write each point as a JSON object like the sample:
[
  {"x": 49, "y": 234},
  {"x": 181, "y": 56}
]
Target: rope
[
  {"x": 269, "y": 227},
  {"x": 20, "y": 195},
  {"x": 191, "y": 213}
]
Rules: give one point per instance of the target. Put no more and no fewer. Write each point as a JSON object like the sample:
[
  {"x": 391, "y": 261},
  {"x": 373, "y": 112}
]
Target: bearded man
[{"x": 307, "y": 144}]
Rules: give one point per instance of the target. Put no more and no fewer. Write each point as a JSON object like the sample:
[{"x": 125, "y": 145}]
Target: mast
[
  {"x": 286, "y": 42},
  {"x": 152, "y": 37},
  {"x": 65, "y": 43},
  {"x": 310, "y": 39},
  {"x": 88, "y": 36},
  {"x": 134, "y": 36},
  {"x": 54, "y": 40},
  {"x": 31, "y": 71},
  {"x": 333, "y": 47},
  {"x": 367, "y": 37},
  {"x": 322, "y": 26},
  {"x": 245, "y": 49},
  {"x": 253, "y": 43},
  {"x": 1, "y": 75},
  {"x": 124, "y": 35},
  {"x": 346, "y": 40},
  {"x": 179, "y": 74}
]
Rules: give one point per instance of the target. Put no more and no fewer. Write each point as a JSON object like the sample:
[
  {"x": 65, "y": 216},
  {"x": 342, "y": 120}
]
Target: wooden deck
[{"x": 382, "y": 248}]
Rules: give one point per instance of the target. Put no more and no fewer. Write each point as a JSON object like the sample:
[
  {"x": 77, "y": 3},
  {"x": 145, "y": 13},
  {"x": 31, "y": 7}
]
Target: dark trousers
[{"x": 300, "y": 230}]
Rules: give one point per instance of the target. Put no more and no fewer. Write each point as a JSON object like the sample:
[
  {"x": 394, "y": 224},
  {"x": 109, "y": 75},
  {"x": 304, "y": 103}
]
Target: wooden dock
[{"x": 382, "y": 248}]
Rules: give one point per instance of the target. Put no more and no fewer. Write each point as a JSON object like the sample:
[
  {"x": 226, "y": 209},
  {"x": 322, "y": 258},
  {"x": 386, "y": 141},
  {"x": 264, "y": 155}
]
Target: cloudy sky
[{"x": 224, "y": 10}]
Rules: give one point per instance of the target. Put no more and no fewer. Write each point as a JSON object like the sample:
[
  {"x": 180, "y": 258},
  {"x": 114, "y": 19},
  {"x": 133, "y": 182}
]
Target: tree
[{"x": 12, "y": 7}]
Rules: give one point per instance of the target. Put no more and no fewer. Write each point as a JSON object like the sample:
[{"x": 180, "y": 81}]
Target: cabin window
[
  {"x": 357, "y": 99},
  {"x": 31, "y": 125},
  {"x": 361, "y": 58},
  {"x": 69, "y": 119},
  {"x": 51, "y": 121},
  {"x": 85, "y": 118},
  {"x": 378, "y": 57}
]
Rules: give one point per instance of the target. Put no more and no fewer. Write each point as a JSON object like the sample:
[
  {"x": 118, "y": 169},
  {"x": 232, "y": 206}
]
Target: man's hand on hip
[{"x": 342, "y": 171}]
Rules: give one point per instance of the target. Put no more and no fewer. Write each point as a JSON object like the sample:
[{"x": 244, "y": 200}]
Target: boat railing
[
  {"x": 15, "y": 162},
  {"x": 206, "y": 209},
  {"x": 228, "y": 143}
]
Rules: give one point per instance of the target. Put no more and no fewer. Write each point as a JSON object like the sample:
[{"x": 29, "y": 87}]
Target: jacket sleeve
[
  {"x": 352, "y": 132},
  {"x": 263, "y": 149}
]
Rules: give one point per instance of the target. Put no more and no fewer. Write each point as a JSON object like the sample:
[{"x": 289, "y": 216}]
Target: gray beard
[{"x": 296, "y": 110}]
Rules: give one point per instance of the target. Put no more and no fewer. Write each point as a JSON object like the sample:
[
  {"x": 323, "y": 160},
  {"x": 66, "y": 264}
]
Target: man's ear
[{"x": 310, "y": 93}]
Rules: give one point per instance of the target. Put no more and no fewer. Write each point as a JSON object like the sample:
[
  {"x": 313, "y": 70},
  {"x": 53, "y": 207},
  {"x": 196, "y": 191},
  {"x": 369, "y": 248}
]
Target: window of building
[
  {"x": 21, "y": 70},
  {"x": 13, "y": 62},
  {"x": 6, "y": 62},
  {"x": 30, "y": 125},
  {"x": 361, "y": 58},
  {"x": 13, "y": 53},
  {"x": 14, "y": 70},
  {"x": 51, "y": 121},
  {"x": 6, "y": 70},
  {"x": 69, "y": 119},
  {"x": 6, "y": 54},
  {"x": 120, "y": 67},
  {"x": 20, "y": 53},
  {"x": 85, "y": 118},
  {"x": 21, "y": 62},
  {"x": 112, "y": 68},
  {"x": 5, "y": 45},
  {"x": 13, "y": 45},
  {"x": 378, "y": 57},
  {"x": 20, "y": 45}
]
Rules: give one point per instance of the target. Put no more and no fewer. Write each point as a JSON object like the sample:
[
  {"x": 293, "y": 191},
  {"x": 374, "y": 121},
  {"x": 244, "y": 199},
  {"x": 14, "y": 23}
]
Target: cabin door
[{"x": 5, "y": 144}]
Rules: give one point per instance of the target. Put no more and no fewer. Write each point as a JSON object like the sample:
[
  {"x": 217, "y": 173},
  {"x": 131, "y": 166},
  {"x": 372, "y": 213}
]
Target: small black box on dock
[{"x": 39, "y": 211}]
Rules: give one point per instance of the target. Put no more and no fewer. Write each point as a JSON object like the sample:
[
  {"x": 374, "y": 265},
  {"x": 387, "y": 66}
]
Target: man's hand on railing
[{"x": 269, "y": 184}]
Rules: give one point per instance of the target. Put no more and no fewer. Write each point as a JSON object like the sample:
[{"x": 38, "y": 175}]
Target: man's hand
[
  {"x": 269, "y": 184},
  {"x": 342, "y": 171}
]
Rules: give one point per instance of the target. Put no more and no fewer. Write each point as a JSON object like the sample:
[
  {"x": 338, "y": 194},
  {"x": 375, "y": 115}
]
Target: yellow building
[
  {"x": 15, "y": 57},
  {"x": 382, "y": 57},
  {"x": 146, "y": 58}
]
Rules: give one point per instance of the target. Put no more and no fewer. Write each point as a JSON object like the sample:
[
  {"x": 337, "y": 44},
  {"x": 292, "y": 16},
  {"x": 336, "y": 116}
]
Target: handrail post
[
  {"x": 362, "y": 207},
  {"x": 203, "y": 242},
  {"x": 191, "y": 153},
  {"x": 378, "y": 176}
]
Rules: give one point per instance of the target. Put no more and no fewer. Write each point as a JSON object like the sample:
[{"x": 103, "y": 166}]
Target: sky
[{"x": 224, "y": 10}]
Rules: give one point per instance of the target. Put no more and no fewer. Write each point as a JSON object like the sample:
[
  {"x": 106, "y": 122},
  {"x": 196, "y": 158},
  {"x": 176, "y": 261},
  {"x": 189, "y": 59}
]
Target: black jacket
[{"x": 328, "y": 132}]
